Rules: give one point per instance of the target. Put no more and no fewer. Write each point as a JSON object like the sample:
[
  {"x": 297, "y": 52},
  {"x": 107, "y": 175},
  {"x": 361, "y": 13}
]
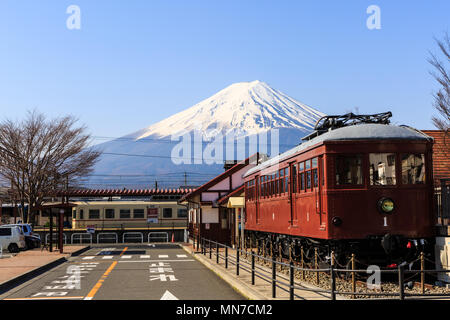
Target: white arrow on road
[{"x": 168, "y": 296}]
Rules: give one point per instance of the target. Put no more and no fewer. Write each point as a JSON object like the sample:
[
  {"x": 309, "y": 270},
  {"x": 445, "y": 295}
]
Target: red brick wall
[{"x": 441, "y": 154}]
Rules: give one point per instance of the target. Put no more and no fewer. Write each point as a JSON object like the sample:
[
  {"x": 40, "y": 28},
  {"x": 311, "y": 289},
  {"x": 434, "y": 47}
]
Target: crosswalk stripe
[{"x": 107, "y": 257}]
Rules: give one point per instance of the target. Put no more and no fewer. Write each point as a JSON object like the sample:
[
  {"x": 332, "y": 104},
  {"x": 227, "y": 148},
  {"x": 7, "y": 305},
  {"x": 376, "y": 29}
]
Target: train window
[
  {"x": 302, "y": 181},
  {"x": 94, "y": 214},
  {"x": 81, "y": 214},
  {"x": 110, "y": 213},
  {"x": 138, "y": 213},
  {"x": 314, "y": 162},
  {"x": 382, "y": 169},
  {"x": 308, "y": 180},
  {"x": 413, "y": 168},
  {"x": 307, "y": 164},
  {"x": 167, "y": 213},
  {"x": 182, "y": 213},
  {"x": 315, "y": 178},
  {"x": 301, "y": 166},
  {"x": 294, "y": 178},
  {"x": 349, "y": 170},
  {"x": 74, "y": 214},
  {"x": 286, "y": 180},
  {"x": 125, "y": 213}
]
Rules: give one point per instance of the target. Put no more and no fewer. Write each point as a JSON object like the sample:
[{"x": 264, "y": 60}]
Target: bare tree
[
  {"x": 442, "y": 75},
  {"x": 39, "y": 156}
]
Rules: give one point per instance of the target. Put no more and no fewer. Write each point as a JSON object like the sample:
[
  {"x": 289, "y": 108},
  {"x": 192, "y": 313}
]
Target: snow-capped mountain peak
[{"x": 245, "y": 108}]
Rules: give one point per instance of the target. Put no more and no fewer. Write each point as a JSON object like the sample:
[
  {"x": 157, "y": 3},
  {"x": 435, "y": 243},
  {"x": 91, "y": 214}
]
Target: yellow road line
[
  {"x": 123, "y": 251},
  {"x": 97, "y": 286},
  {"x": 43, "y": 298}
]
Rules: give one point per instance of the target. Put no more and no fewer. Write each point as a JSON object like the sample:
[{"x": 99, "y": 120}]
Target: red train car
[{"x": 356, "y": 185}]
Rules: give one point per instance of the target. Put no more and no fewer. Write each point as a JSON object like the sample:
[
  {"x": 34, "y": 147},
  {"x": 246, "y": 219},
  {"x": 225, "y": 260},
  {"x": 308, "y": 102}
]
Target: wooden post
[
  {"x": 353, "y": 276},
  {"x": 422, "y": 274},
  {"x": 333, "y": 278},
  {"x": 401, "y": 281},
  {"x": 302, "y": 262},
  {"x": 316, "y": 265}
]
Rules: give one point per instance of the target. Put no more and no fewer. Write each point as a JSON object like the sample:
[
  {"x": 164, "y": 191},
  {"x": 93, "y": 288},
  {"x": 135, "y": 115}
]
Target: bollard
[
  {"x": 333, "y": 277},
  {"x": 210, "y": 251},
  {"x": 316, "y": 265},
  {"x": 302, "y": 262},
  {"x": 217, "y": 252},
  {"x": 291, "y": 281},
  {"x": 401, "y": 282},
  {"x": 422, "y": 274},
  {"x": 353, "y": 276},
  {"x": 253, "y": 269},
  {"x": 274, "y": 277},
  {"x": 237, "y": 262},
  {"x": 226, "y": 257},
  {"x": 333, "y": 283}
]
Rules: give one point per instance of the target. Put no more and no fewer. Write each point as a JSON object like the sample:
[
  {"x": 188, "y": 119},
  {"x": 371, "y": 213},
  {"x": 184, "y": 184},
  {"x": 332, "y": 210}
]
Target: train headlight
[{"x": 386, "y": 205}]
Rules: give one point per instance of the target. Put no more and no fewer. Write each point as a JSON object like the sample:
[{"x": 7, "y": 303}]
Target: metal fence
[
  {"x": 158, "y": 235},
  {"x": 55, "y": 237},
  {"x": 108, "y": 236},
  {"x": 133, "y": 236},
  {"x": 286, "y": 283},
  {"x": 82, "y": 237}
]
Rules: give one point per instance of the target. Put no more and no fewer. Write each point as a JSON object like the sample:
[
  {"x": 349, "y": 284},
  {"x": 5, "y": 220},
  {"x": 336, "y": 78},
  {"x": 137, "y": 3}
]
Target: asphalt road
[{"x": 127, "y": 272}]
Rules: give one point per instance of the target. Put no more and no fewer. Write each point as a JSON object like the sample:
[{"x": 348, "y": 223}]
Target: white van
[{"x": 12, "y": 238}]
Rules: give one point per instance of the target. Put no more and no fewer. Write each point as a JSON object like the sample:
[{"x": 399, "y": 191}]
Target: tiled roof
[{"x": 441, "y": 154}]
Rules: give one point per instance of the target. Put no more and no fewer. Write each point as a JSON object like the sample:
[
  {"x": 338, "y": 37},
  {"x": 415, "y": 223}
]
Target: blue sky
[{"x": 134, "y": 63}]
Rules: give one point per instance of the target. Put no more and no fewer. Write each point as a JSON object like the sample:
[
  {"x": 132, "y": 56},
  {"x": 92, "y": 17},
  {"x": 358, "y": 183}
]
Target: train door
[
  {"x": 293, "y": 191},
  {"x": 316, "y": 185}
]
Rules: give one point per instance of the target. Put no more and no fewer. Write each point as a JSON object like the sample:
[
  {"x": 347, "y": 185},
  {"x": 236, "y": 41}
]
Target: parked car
[
  {"x": 12, "y": 238},
  {"x": 32, "y": 240}
]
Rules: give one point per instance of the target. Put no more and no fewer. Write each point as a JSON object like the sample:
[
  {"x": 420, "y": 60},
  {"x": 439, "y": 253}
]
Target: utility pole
[
  {"x": 185, "y": 179},
  {"x": 156, "y": 185}
]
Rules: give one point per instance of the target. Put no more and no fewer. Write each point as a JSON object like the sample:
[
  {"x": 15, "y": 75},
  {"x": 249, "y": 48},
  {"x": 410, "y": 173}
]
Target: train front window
[
  {"x": 382, "y": 169},
  {"x": 413, "y": 168},
  {"x": 348, "y": 170},
  {"x": 81, "y": 214}
]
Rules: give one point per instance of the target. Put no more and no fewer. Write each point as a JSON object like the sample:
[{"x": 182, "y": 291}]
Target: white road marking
[
  {"x": 107, "y": 257},
  {"x": 181, "y": 256},
  {"x": 126, "y": 257},
  {"x": 88, "y": 258},
  {"x": 179, "y": 260},
  {"x": 145, "y": 256},
  {"x": 163, "y": 256},
  {"x": 168, "y": 296}
]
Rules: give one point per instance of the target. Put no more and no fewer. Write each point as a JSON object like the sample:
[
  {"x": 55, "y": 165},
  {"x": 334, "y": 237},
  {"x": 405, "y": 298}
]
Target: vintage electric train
[{"x": 355, "y": 185}]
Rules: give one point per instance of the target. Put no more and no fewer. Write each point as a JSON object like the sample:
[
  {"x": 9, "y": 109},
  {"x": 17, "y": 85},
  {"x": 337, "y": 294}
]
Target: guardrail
[
  {"x": 81, "y": 236},
  {"x": 158, "y": 235},
  {"x": 55, "y": 237},
  {"x": 288, "y": 284},
  {"x": 133, "y": 235},
  {"x": 108, "y": 235}
]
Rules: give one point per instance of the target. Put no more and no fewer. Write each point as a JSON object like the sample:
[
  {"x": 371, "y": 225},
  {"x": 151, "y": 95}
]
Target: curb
[
  {"x": 14, "y": 282},
  {"x": 237, "y": 285}
]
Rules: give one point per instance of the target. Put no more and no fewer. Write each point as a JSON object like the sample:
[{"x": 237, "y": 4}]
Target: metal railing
[
  {"x": 158, "y": 235},
  {"x": 82, "y": 237},
  {"x": 109, "y": 236},
  {"x": 55, "y": 237},
  {"x": 133, "y": 236},
  {"x": 287, "y": 283}
]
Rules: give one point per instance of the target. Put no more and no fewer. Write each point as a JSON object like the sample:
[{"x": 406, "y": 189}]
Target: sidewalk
[
  {"x": 262, "y": 290},
  {"x": 32, "y": 261}
]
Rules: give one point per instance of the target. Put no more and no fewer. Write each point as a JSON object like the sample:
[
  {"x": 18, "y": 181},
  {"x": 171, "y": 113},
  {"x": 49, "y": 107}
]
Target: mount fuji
[{"x": 244, "y": 110}]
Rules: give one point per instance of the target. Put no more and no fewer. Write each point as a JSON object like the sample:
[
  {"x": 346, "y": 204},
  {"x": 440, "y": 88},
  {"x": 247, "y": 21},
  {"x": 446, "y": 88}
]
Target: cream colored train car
[{"x": 128, "y": 214}]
